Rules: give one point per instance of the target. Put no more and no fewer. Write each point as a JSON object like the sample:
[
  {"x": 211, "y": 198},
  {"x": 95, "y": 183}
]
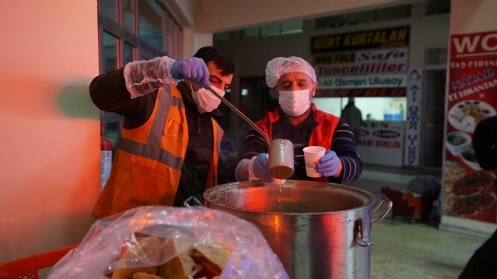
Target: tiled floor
[{"x": 405, "y": 250}]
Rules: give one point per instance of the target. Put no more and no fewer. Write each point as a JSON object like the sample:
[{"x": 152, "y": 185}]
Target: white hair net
[{"x": 282, "y": 65}]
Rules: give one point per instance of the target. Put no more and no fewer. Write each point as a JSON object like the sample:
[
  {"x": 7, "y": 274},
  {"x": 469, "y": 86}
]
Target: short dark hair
[
  {"x": 485, "y": 143},
  {"x": 212, "y": 54}
]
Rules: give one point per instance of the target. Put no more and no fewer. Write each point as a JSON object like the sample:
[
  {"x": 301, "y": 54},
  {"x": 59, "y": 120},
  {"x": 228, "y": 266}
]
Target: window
[
  {"x": 270, "y": 30},
  {"x": 131, "y": 30},
  {"x": 253, "y": 32},
  {"x": 127, "y": 53},
  {"x": 292, "y": 27},
  {"x": 364, "y": 17},
  {"x": 278, "y": 29},
  {"x": 150, "y": 24},
  {"x": 108, "y": 8},
  {"x": 108, "y": 53},
  {"x": 128, "y": 15},
  {"x": 136, "y": 29}
]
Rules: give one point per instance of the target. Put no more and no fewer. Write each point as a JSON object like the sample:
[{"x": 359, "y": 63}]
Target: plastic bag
[{"x": 100, "y": 252}]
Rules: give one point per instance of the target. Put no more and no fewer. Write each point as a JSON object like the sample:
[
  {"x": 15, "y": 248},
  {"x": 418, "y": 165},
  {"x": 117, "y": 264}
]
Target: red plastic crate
[{"x": 29, "y": 267}]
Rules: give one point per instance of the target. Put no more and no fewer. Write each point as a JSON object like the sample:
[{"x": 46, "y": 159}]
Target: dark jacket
[{"x": 108, "y": 92}]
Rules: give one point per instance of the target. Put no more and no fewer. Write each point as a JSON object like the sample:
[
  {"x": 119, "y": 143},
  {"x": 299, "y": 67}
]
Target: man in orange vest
[
  {"x": 170, "y": 141},
  {"x": 297, "y": 119}
]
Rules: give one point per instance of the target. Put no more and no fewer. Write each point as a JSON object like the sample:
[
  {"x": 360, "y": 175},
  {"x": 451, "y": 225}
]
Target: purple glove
[
  {"x": 261, "y": 167},
  {"x": 193, "y": 69},
  {"x": 328, "y": 164}
]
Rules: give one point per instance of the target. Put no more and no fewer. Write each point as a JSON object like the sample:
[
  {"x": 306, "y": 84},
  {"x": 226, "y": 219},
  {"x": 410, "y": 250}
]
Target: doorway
[{"x": 433, "y": 119}]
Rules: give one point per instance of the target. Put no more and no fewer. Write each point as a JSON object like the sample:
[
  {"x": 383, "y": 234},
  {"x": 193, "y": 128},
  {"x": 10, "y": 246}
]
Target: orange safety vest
[
  {"x": 148, "y": 162},
  {"x": 322, "y": 134}
]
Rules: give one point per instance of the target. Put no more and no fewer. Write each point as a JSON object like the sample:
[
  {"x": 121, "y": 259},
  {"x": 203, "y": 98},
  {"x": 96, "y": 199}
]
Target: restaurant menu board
[{"x": 472, "y": 91}]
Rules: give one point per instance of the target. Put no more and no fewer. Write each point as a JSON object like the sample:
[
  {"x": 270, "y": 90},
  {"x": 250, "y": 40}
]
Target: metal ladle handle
[
  {"x": 239, "y": 113},
  {"x": 281, "y": 159}
]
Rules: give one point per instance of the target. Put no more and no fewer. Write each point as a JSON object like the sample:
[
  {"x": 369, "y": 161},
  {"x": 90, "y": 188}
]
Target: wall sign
[
  {"x": 382, "y": 142},
  {"x": 413, "y": 118},
  {"x": 381, "y": 38},
  {"x": 367, "y": 63},
  {"x": 471, "y": 97}
]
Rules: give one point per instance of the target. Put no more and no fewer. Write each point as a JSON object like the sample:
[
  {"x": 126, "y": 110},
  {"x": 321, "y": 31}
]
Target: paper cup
[{"x": 311, "y": 157}]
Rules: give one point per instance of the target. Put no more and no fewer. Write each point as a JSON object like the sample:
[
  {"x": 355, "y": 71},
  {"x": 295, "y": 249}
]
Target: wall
[
  {"x": 477, "y": 16},
  {"x": 252, "y": 54},
  {"x": 50, "y": 166},
  {"x": 262, "y": 50},
  {"x": 425, "y": 31},
  {"x": 182, "y": 10},
  {"x": 222, "y": 15}
]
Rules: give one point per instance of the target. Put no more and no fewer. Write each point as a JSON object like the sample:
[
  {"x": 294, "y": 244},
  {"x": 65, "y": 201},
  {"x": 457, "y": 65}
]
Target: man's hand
[
  {"x": 261, "y": 167},
  {"x": 329, "y": 164},
  {"x": 193, "y": 69}
]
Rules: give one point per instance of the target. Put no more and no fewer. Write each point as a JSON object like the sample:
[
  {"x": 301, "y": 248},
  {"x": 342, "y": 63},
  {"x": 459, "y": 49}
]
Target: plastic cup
[{"x": 311, "y": 158}]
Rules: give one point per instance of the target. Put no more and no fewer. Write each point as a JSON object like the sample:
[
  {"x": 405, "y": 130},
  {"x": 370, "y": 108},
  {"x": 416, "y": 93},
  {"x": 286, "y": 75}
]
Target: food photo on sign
[
  {"x": 470, "y": 191},
  {"x": 463, "y": 117},
  {"x": 470, "y": 195}
]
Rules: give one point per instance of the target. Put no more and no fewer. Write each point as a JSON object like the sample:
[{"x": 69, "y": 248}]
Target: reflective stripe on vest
[{"x": 152, "y": 149}]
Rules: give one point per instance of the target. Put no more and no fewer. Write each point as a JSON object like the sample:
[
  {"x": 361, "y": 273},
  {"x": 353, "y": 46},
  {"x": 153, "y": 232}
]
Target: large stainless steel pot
[{"x": 318, "y": 230}]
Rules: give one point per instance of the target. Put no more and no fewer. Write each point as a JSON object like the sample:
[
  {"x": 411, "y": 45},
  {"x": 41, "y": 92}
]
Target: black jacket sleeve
[{"x": 108, "y": 92}]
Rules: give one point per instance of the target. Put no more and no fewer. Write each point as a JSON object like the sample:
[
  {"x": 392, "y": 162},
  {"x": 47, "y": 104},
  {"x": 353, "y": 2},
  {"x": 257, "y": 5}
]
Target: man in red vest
[{"x": 298, "y": 120}]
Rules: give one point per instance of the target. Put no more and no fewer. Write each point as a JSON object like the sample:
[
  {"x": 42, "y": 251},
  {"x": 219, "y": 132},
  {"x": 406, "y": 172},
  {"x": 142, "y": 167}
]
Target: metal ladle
[{"x": 281, "y": 160}]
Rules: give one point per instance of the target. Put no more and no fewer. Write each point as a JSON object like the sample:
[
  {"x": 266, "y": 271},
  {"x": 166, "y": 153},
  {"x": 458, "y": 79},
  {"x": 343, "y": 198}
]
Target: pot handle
[
  {"x": 359, "y": 226},
  {"x": 359, "y": 234},
  {"x": 192, "y": 201},
  {"x": 389, "y": 204}
]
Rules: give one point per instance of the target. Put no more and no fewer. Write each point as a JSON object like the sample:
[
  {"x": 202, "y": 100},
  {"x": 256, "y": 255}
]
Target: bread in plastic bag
[{"x": 117, "y": 242}]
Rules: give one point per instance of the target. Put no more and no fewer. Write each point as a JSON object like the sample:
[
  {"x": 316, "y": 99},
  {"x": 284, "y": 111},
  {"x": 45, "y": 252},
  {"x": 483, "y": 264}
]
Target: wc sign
[{"x": 475, "y": 44}]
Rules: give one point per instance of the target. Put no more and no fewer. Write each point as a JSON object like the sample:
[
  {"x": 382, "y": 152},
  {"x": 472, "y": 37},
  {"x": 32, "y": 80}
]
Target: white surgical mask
[
  {"x": 205, "y": 100},
  {"x": 295, "y": 103}
]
